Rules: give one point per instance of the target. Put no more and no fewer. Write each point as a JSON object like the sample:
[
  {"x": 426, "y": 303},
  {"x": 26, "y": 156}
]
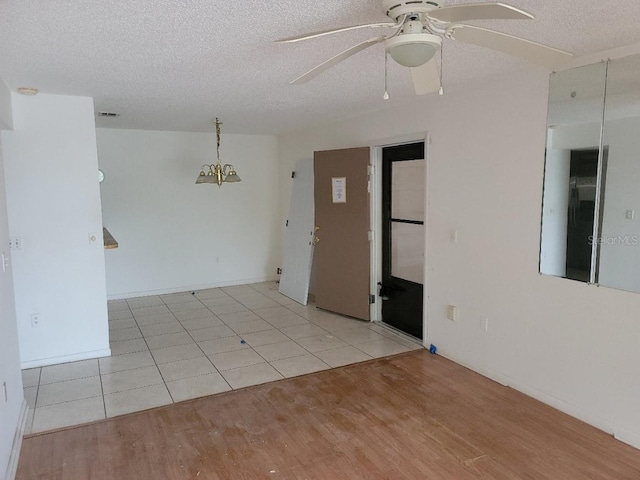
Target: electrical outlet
[
  {"x": 15, "y": 243},
  {"x": 35, "y": 320},
  {"x": 452, "y": 313},
  {"x": 5, "y": 262}
]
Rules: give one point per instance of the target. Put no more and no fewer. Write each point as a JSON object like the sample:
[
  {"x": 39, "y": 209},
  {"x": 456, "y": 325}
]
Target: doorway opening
[{"x": 403, "y": 237}]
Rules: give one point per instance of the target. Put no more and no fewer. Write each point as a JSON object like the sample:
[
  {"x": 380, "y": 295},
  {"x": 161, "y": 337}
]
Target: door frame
[{"x": 375, "y": 210}]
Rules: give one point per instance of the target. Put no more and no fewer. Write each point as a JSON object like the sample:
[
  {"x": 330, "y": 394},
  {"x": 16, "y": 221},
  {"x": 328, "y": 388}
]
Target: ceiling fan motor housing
[
  {"x": 413, "y": 26},
  {"x": 394, "y": 9},
  {"x": 413, "y": 46}
]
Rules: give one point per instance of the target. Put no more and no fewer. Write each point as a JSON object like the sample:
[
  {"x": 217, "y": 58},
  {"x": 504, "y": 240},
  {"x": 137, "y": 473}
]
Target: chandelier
[{"x": 217, "y": 173}]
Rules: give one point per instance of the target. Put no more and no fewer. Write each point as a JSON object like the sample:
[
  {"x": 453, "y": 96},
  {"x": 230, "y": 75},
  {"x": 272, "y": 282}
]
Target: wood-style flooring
[{"x": 413, "y": 416}]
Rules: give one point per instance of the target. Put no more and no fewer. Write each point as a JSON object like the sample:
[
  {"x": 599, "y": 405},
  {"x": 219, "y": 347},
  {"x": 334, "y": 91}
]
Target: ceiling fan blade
[
  {"x": 314, "y": 72},
  {"x": 426, "y": 78},
  {"x": 322, "y": 33},
  {"x": 480, "y": 11},
  {"x": 519, "y": 47}
]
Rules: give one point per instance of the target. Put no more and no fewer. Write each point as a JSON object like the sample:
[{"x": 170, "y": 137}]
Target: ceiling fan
[{"x": 415, "y": 36}]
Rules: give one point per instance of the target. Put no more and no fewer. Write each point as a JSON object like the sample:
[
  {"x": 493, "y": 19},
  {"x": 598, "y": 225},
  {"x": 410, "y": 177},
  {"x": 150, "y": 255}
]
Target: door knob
[{"x": 387, "y": 290}]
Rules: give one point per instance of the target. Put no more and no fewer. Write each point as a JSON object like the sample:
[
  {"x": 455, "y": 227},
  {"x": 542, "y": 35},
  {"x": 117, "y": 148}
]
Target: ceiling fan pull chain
[
  {"x": 441, "y": 89},
  {"x": 386, "y": 93}
]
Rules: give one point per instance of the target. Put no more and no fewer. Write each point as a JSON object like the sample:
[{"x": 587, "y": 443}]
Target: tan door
[{"x": 341, "y": 257}]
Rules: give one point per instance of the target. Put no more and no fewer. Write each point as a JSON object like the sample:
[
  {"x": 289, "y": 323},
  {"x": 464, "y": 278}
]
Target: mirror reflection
[{"x": 590, "y": 231}]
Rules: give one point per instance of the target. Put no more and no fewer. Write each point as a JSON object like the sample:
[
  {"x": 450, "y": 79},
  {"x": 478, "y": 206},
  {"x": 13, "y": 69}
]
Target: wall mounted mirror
[{"x": 591, "y": 202}]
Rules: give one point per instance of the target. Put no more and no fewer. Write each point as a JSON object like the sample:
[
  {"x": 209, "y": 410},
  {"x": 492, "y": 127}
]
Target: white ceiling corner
[{"x": 177, "y": 64}]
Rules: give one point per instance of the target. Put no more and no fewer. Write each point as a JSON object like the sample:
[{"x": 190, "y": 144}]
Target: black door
[{"x": 403, "y": 236}]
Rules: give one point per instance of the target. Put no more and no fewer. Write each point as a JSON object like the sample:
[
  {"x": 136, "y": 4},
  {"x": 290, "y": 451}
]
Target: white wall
[
  {"x": 569, "y": 344},
  {"x": 6, "y": 112},
  {"x": 10, "y": 410},
  {"x": 175, "y": 235},
  {"x": 54, "y": 204}
]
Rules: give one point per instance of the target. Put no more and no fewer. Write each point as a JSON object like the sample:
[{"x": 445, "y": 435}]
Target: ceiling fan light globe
[
  {"x": 413, "y": 54},
  {"x": 413, "y": 50}
]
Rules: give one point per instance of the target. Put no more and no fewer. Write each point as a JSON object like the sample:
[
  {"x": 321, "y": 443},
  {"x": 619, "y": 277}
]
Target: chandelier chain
[{"x": 218, "y": 138}]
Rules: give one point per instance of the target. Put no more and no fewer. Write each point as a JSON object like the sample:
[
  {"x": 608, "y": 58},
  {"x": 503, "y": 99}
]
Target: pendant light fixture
[{"x": 217, "y": 172}]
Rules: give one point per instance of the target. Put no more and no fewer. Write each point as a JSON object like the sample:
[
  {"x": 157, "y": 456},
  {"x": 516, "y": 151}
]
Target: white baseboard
[
  {"x": 12, "y": 467},
  {"x": 628, "y": 437},
  {"x": 552, "y": 401},
  {"x": 43, "y": 362},
  {"x": 190, "y": 288}
]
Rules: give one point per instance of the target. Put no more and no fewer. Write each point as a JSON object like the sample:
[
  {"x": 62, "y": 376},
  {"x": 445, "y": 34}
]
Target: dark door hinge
[
  {"x": 372, "y": 299},
  {"x": 293, "y": 174}
]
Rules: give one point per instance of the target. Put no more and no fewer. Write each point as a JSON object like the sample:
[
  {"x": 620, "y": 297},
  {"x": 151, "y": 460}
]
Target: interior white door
[{"x": 297, "y": 252}]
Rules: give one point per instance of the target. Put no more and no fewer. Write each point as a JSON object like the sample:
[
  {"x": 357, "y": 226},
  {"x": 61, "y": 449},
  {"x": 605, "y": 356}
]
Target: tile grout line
[
  {"x": 69, "y": 401},
  {"x": 35, "y": 402},
  {"x": 253, "y": 349},
  {"x": 196, "y": 343},
  {"x": 104, "y": 403},
  {"x": 151, "y": 353},
  {"x": 291, "y": 339}
]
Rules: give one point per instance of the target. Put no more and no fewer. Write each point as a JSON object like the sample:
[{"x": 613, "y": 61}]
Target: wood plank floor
[{"x": 413, "y": 416}]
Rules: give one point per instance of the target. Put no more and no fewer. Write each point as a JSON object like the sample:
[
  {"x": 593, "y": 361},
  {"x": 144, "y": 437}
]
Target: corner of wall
[
  {"x": 12, "y": 413},
  {"x": 6, "y": 110},
  {"x": 14, "y": 456},
  {"x": 58, "y": 272}
]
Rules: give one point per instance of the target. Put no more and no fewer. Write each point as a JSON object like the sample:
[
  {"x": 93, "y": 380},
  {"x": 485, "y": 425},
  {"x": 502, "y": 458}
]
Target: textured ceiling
[{"x": 177, "y": 64}]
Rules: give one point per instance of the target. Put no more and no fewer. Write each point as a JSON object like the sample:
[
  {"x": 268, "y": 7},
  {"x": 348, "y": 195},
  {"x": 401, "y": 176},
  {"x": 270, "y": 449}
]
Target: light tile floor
[{"x": 174, "y": 347}]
